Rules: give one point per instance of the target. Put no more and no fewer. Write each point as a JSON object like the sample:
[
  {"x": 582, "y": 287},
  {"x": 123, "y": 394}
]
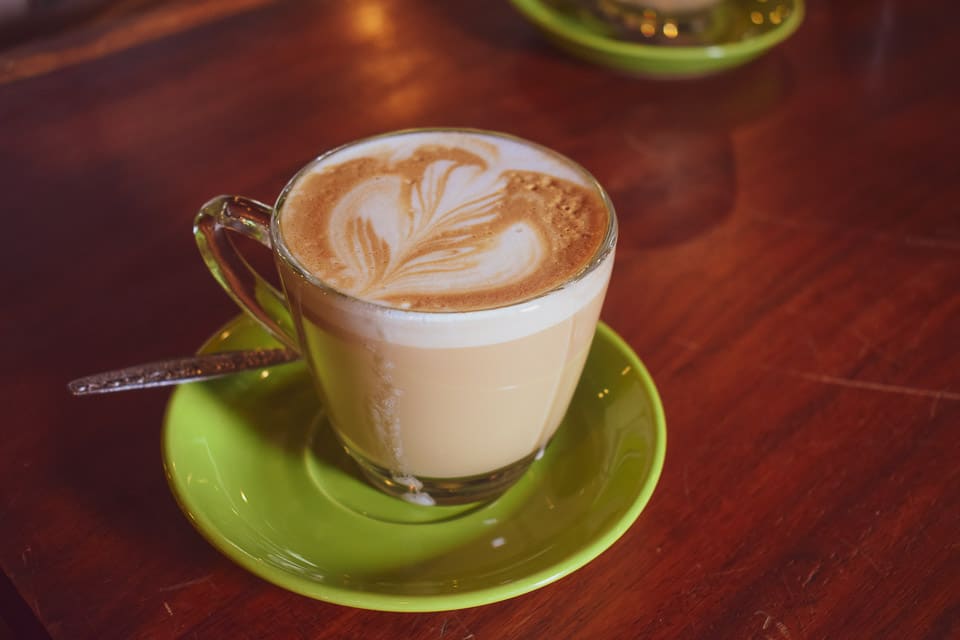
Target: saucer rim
[
  {"x": 533, "y": 581},
  {"x": 633, "y": 55}
]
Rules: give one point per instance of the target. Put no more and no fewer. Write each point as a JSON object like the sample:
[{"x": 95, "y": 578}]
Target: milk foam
[
  {"x": 441, "y": 221},
  {"x": 483, "y": 242},
  {"x": 456, "y": 330}
]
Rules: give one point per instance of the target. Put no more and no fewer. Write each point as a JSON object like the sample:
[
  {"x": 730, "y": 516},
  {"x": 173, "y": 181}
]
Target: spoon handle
[{"x": 177, "y": 370}]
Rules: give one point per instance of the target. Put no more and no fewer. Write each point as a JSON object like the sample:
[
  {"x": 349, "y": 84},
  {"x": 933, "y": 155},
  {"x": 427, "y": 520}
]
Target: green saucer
[
  {"x": 254, "y": 467},
  {"x": 746, "y": 29}
]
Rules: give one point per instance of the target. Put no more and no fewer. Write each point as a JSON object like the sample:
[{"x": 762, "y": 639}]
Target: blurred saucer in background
[{"x": 672, "y": 38}]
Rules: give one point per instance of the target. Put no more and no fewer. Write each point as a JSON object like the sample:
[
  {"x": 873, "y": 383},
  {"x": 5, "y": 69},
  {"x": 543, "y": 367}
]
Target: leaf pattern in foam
[
  {"x": 441, "y": 225},
  {"x": 518, "y": 253},
  {"x": 363, "y": 241},
  {"x": 448, "y": 204}
]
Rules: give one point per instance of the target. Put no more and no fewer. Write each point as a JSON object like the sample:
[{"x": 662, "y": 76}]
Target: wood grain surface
[{"x": 788, "y": 269}]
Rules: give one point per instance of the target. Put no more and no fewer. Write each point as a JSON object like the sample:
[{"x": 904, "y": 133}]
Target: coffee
[
  {"x": 444, "y": 286},
  {"x": 456, "y": 350},
  {"x": 444, "y": 221}
]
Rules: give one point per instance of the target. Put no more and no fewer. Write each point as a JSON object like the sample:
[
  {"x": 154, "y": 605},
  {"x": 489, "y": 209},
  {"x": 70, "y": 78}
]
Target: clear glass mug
[{"x": 431, "y": 409}]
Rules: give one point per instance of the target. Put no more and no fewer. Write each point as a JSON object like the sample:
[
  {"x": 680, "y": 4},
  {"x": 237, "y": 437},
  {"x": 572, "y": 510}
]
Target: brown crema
[{"x": 331, "y": 228}]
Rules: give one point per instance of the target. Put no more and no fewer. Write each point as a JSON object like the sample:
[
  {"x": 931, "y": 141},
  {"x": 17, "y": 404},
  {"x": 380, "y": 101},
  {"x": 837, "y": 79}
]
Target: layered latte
[{"x": 446, "y": 286}]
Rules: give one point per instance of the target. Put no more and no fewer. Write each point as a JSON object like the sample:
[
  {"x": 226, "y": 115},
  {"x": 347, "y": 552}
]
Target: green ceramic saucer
[
  {"x": 262, "y": 479},
  {"x": 750, "y": 28}
]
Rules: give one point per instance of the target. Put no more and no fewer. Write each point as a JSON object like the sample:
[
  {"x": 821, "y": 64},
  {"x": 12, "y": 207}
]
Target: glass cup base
[{"x": 427, "y": 491}]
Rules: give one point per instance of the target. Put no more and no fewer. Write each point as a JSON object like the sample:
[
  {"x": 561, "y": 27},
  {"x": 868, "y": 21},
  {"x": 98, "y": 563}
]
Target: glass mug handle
[{"x": 249, "y": 289}]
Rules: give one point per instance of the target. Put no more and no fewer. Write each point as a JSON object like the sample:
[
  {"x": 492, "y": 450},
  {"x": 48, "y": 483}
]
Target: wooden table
[{"x": 789, "y": 270}]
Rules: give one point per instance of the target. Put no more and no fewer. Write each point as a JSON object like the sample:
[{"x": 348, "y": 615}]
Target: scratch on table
[
  {"x": 25, "y": 556},
  {"x": 782, "y": 628},
  {"x": 730, "y": 572},
  {"x": 825, "y": 226},
  {"x": 933, "y": 406},
  {"x": 864, "y": 385},
  {"x": 188, "y": 583},
  {"x": 810, "y": 576},
  {"x": 469, "y": 634},
  {"x": 868, "y": 345},
  {"x": 770, "y": 621},
  {"x": 931, "y": 242},
  {"x": 766, "y": 623},
  {"x": 167, "y": 607},
  {"x": 857, "y": 551},
  {"x": 786, "y": 585}
]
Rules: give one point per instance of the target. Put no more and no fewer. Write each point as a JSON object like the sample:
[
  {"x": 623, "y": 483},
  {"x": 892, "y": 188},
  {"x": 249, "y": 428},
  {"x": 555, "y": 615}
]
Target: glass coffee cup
[{"x": 443, "y": 286}]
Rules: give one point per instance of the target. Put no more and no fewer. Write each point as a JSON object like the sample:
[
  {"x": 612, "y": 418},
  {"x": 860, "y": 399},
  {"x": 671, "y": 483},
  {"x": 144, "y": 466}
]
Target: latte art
[{"x": 433, "y": 226}]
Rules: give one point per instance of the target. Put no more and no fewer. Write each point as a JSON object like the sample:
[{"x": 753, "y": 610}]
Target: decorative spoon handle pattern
[{"x": 177, "y": 370}]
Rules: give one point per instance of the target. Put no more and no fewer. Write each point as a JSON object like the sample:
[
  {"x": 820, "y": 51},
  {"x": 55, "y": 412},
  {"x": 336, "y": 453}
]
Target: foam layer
[
  {"x": 444, "y": 221},
  {"x": 351, "y": 319}
]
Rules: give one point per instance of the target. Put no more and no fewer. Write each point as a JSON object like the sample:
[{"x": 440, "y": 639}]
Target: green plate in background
[
  {"x": 738, "y": 42},
  {"x": 261, "y": 477}
]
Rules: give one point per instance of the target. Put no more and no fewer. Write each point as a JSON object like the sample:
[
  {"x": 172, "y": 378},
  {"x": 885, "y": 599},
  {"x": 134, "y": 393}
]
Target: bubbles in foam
[{"x": 444, "y": 220}]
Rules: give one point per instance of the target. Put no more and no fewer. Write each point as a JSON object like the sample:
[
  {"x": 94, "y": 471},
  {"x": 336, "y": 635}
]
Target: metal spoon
[{"x": 177, "y": 370}]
